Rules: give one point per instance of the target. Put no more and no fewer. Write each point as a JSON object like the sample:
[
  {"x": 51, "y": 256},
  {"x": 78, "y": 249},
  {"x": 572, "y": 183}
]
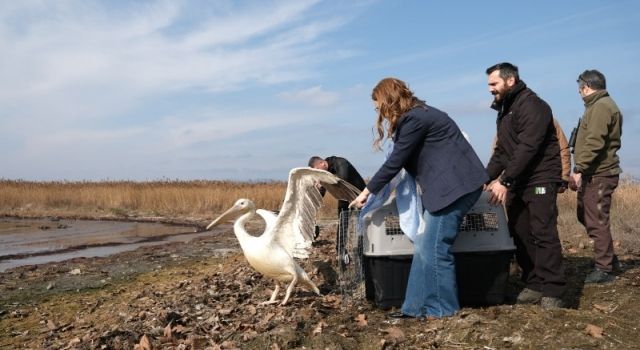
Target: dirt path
[{"x": 203, "y": 295}]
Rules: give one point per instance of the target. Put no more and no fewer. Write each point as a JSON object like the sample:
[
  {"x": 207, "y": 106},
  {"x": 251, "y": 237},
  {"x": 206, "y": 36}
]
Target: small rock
[{"x": 514, "y": 339}]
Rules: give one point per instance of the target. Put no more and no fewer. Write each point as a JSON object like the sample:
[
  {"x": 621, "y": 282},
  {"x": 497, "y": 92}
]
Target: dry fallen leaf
[
  {"x": 144, "y": 344},
  {"x": 168, "y": 333},
  {"x": 51, "y": 325},
  {"x": 307, "y": 313},
  {"x": 332, "y": 301},
  {"x": 249, "y": 334},
  {"x": 251, "y": 310},
  {"x": 225, "y": 312},
  {"x": 395, "y": 334},
  {"x": 73, "y": 342},
  {"x": 594, "y": 331},
  {"x": 319, "y": 327},
  {"x": 601, "y": 308},
  {"x": 268, "y": 317},
  {"x": 228, "y": 344},
  {"x": 361, "y": 320},
  {"x": 616, "y": 243}
]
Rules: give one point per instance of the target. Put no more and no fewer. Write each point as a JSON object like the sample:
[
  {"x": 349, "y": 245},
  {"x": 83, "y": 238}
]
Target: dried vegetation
[
  {"x": 128, "y": 199},
  {"x": 200, "y": 296}
]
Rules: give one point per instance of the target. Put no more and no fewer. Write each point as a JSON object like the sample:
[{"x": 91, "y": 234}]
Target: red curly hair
[{"x": 394, "y": 99}]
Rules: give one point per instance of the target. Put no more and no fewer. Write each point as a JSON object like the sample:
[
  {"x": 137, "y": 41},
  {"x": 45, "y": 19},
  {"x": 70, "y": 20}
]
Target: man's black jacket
[
  {"x": 527, "y": 148},
  {"x": 343, "y": 169}
]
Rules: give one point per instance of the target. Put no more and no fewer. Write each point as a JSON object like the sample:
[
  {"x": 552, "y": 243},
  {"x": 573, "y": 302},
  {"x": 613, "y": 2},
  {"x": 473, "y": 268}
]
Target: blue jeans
[{"x": 432, "y": 289}]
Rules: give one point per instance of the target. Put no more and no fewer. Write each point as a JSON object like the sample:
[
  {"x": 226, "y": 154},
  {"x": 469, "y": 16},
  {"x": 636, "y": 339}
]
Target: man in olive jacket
[
  {"x": 526, "y": 162},
  {"x": 597, "y": 168}
]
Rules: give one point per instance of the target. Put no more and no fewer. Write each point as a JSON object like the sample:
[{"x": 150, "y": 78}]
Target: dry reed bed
[
  {"x": 196, "y": 199},
  {"x": 203, "y": 199}
]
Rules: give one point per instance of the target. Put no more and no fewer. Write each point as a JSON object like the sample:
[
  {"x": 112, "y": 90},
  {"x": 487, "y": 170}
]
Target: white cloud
[
  {"x": 75, "y": 75},
  {"x": 247, "y": 24},
  {"x": 314, "y": 96},
  {"x": 68, "y": 49},
  {"x": 218, "y": 126}
]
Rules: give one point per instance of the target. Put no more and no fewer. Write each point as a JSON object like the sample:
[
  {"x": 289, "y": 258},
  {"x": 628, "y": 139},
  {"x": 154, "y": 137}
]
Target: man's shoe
[
  {"x": 397, "y": 314},
  {"x": 599, "y": 276},
  {"x": 617, "y": 265},
  {"x": 551, "y": 303},
  {"x": 529, "y": 296}
]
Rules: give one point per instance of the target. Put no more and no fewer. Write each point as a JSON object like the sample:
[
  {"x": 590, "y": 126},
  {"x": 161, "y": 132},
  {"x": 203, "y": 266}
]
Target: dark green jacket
[{"x": 598, "y": 138}]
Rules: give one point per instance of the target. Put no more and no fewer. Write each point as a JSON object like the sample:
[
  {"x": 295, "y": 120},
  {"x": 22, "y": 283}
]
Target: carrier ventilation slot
[
  {"x": 392, "y": 226},
  {"x": 480, "y": 222}
]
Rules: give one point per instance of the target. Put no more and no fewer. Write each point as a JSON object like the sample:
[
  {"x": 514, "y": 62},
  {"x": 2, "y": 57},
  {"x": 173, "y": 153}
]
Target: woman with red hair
[{"x": 428, "y": 144}]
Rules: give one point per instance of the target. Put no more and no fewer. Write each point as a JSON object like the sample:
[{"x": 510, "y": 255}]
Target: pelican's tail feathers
[{"x": 301, "y": 249}]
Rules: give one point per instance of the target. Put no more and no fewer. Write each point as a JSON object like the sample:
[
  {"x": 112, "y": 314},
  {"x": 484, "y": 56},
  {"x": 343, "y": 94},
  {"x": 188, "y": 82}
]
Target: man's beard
[{"x": 499, "y": 96}]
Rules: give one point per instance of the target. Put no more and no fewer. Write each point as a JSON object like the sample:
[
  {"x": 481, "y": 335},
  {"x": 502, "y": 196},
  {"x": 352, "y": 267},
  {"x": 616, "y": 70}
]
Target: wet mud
[{"x": 38, "y": 241}]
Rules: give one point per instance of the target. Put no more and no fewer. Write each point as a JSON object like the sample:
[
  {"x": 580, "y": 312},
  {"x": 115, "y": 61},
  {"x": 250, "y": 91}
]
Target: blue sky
[{"x": 246, "y": 90}]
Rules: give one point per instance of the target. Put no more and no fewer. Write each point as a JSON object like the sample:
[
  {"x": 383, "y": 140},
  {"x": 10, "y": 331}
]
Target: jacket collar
[
  {"x": 508, "y": 99},
  {"x": 591, "y": 99}
]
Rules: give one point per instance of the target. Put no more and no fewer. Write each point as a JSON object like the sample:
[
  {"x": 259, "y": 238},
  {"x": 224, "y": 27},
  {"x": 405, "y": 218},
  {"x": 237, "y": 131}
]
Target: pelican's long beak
[{"x": 231, "y": 214}]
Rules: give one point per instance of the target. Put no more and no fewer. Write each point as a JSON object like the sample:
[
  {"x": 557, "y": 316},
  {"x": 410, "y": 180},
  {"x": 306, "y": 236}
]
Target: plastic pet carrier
[{"x": 483, "y": 251}]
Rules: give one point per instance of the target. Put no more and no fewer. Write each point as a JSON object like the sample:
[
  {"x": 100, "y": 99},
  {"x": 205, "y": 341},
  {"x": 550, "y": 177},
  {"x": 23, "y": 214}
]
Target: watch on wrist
[{"x": 506, "y": 181}]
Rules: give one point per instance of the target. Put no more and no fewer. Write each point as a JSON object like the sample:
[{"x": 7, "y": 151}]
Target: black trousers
[{"x": 533, "y": 219}]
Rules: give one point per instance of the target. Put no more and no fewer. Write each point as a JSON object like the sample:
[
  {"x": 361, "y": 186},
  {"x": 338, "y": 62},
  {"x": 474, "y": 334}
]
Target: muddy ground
[{"x": 203, "y": 295}]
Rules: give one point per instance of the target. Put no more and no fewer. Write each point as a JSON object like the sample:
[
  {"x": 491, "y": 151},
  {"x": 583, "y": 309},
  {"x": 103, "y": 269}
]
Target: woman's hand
[{"x": 361, "y": 199}]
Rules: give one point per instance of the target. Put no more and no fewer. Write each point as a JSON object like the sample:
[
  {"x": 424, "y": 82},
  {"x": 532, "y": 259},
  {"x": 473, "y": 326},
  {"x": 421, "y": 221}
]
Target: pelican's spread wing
[{"x": 294, "y": 228}]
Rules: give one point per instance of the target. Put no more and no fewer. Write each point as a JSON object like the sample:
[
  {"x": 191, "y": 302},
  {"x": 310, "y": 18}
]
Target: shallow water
[{"x": 39, "y": 241}]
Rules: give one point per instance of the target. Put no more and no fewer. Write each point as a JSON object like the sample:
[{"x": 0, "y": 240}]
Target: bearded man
[{"x": 525, "y": 170}]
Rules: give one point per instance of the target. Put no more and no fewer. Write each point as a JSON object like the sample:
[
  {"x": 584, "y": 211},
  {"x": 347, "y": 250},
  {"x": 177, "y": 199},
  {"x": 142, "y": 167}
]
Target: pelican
[{"x": 288, "y": 234}]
